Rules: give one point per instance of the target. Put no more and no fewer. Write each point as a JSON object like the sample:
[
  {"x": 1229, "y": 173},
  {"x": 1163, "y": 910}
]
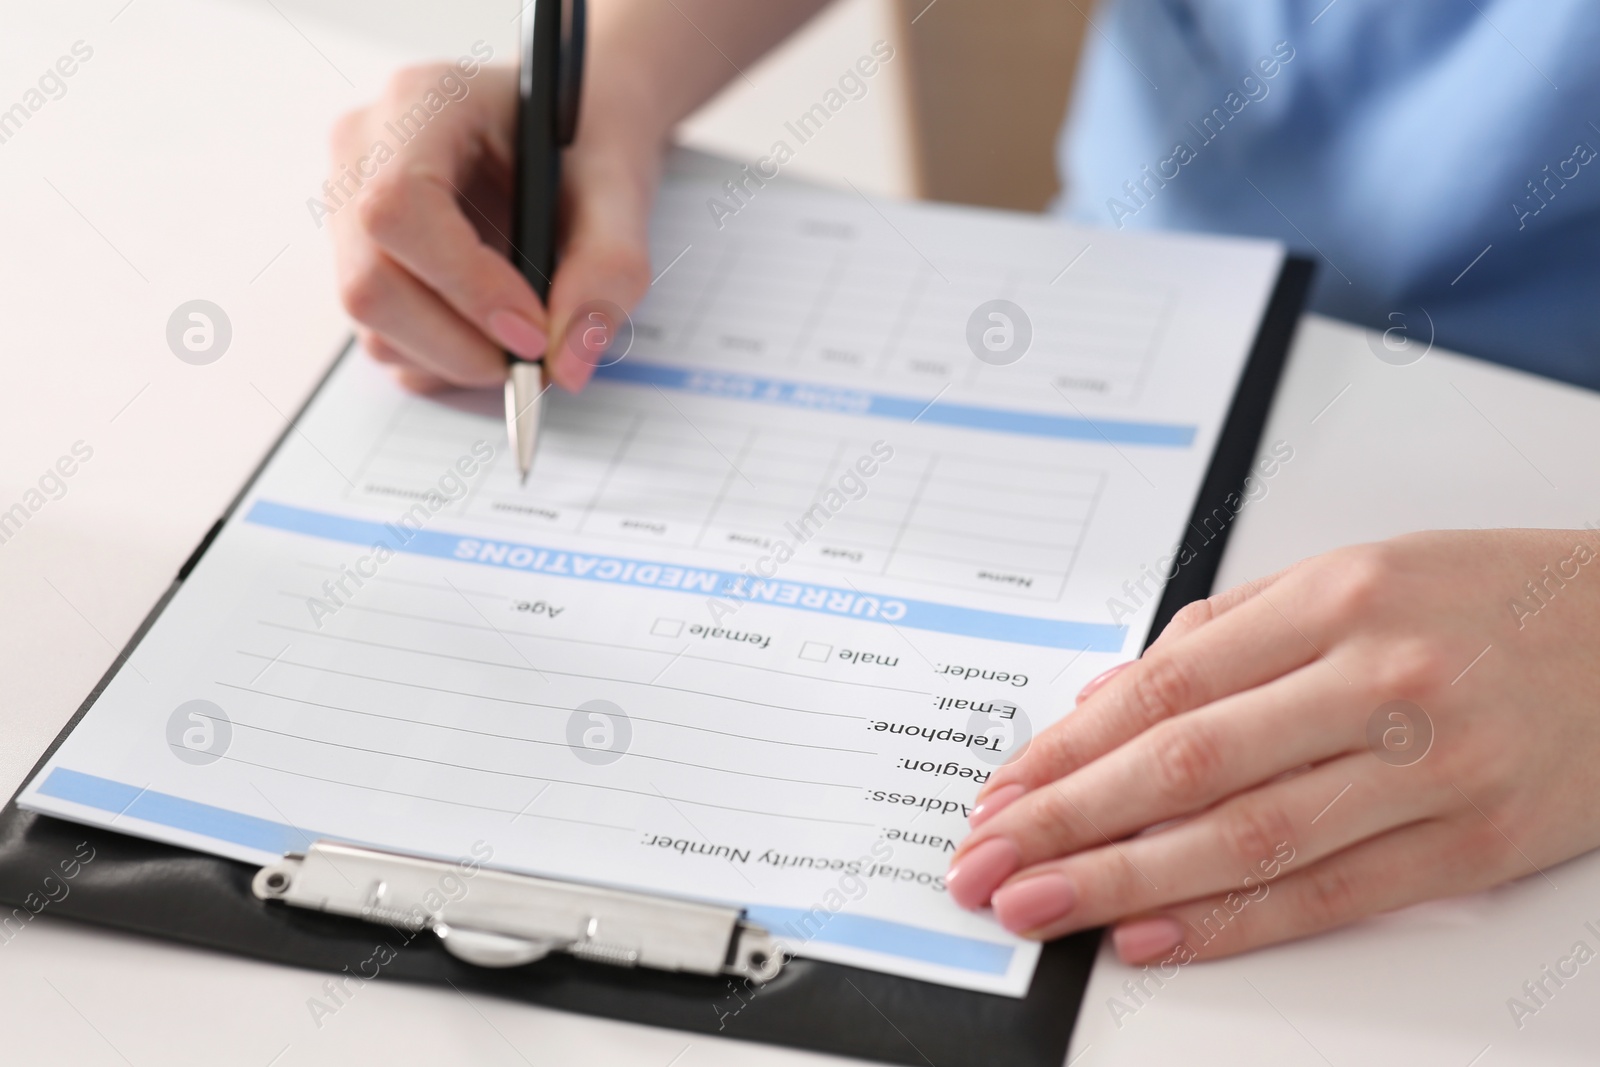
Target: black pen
[{"x": 547, "y": 119}]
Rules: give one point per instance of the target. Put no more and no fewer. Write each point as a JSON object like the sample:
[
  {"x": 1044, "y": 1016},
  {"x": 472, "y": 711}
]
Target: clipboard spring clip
[{"x": 507, "y": 920}]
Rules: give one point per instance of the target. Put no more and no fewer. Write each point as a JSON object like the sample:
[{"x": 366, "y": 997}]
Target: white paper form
[{"x": 787, "y": 583}]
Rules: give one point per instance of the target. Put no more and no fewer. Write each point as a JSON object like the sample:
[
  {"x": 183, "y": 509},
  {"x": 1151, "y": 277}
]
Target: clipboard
[{"x": 138, "y": 885}]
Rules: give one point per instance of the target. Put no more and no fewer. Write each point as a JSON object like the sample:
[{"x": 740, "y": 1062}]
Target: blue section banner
[
  {"x": 726, "y": 585},
  {"x": 841, "y": 401}
]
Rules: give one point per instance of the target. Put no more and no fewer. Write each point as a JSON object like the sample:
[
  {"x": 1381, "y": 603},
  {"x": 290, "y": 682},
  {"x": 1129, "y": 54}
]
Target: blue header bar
[
  {"x": 163, "y": 809},
  {"x": 704, "y": 582},
  {"x": 840, "y": 401},
  {"x": 264, "y": 835}
]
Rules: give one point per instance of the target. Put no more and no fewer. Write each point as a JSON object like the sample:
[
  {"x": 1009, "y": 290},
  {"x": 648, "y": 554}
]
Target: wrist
[
  {"x": 611, "y": 129},
  {"x": 624, "y": 105}
]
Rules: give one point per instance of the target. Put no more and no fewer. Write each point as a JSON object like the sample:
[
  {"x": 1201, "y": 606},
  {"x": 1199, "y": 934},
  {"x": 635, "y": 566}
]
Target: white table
[{"x": 177, "y": 166}]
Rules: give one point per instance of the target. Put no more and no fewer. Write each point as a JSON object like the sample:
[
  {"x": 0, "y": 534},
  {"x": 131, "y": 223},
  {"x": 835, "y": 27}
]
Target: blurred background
[
  {"x": 973, "y": 114},
  {"x": 930, "y": 130}
]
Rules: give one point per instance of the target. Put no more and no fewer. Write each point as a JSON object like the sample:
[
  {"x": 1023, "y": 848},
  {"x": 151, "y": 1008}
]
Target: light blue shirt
[{"x": 1429, "y": 154}]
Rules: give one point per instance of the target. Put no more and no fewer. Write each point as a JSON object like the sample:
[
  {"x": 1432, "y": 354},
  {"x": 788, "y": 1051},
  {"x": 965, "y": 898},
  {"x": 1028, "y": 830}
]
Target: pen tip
[{"x": 523, "y": 391}]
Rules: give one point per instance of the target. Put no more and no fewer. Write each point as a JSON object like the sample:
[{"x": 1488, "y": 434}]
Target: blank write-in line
[
  {"x": 1044, "y": 475},
  {"x": 549, "y": 670},
  {"x": 612, "y": 644},
  {"x": 510, "y": 774},
  {"x": 536, "y": 704},
  {"x": 507, "y": 737},
  {"x": 742, "y": 809},
  {"x": 967, "y": 508},
  {"x": 418, "y": 796},
  {"x": 385, "y": 579},
  {"x": 944, "y": 532}
]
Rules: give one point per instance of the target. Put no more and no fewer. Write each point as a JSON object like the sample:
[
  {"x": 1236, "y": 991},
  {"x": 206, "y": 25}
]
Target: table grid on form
[
  {"x": 858, "y": 313},
  {"x": 936, "y": 517}
]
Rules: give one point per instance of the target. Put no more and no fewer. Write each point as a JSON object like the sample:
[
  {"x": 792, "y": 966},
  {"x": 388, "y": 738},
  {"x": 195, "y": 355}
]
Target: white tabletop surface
[{"x": 177, "y": 165}]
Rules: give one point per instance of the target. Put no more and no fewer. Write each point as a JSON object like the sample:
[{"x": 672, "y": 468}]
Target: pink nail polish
[
  {"x": 975, "y": 875},
  {"x": 990, "y": 806},
  {"x": 1145, "y": 939},
  {"x": 1034, "y": 902},
  {"x": 1097, "y": 681},
  {"x": 517, "y": 334}
]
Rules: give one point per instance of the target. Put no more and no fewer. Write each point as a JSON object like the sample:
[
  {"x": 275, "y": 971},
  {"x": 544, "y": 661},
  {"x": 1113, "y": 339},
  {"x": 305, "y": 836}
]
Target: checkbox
[
  {"x": 667, "y": 627},
  {"x": 816, "y": 651}
]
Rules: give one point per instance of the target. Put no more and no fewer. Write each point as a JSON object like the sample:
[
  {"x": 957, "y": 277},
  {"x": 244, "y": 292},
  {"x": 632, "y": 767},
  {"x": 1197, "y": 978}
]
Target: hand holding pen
[{"x": 423, "y": 241}]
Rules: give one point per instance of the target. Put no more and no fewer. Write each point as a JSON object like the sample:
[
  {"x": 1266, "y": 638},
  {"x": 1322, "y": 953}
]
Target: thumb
[{"x": 604, "y": 271}]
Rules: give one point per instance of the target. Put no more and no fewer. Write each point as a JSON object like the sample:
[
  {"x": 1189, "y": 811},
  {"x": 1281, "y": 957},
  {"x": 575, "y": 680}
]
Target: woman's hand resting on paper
[{"x": 1378, "y": 726}]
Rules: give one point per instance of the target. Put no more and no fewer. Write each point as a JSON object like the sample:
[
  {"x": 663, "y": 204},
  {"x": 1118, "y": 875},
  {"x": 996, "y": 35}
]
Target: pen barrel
[{"x": 537, "y": 176}]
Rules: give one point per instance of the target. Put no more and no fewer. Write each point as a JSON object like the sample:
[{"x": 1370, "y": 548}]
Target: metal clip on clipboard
[{"x": 506, "y": 920}]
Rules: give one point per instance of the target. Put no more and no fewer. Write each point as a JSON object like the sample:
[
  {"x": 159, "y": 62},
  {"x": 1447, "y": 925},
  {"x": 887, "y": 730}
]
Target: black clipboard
[{"x": 145, "y": 887}]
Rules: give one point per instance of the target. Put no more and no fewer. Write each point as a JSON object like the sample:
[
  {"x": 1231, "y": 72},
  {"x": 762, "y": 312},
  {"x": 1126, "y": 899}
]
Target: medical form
[{"x": 860, "y": 497}]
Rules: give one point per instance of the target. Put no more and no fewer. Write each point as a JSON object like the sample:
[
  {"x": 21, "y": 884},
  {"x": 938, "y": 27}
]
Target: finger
[
  {"x": 1238, "y": 846},
  {"x": 391, "y": 303},
  {"x": 605, "y": 262},
  {"x": 1253, "y": 643},
  {"x": 380, "y": 350},
  {"x": 419, "y": 381},
  {"x": 1415, "y": 863},
  {"x": 414, "y": 214},
  {"x": 1004, "y": 787},
  {"x": 412, "y": 206},
  {"x": 590, "y": 289},
  {"x": 1181, "y": 766},
  {"x": 1198, "y": 613},
  {"x": 405, "y": 370},
  {"x": 1190, "y": 617}
]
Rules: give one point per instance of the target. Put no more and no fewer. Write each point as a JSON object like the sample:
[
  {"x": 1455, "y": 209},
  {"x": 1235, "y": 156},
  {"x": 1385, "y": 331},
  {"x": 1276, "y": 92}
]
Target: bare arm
[{"x": 653, "y": 62}]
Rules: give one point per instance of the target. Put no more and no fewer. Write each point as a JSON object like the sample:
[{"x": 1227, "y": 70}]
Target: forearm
[{"x": 653, "y": 62}]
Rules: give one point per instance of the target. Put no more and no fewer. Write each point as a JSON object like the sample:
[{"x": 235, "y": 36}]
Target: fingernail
[
  {"x": 975, "y": 875},
  {"x": 517, "y": 334},
  {"x": 1097, "y": 681},
  {"x": 990, "y": 805},
  {"x": 1034, "y": 902},
  {"x": 1145, "y": 939}
]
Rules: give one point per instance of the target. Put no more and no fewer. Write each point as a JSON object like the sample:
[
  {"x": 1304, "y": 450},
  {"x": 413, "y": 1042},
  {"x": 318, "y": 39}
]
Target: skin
[
  {"x": 421, "y": 251},
  {"x": 1247, "y": 720},
  {"x": 1211, "y": 773}
]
